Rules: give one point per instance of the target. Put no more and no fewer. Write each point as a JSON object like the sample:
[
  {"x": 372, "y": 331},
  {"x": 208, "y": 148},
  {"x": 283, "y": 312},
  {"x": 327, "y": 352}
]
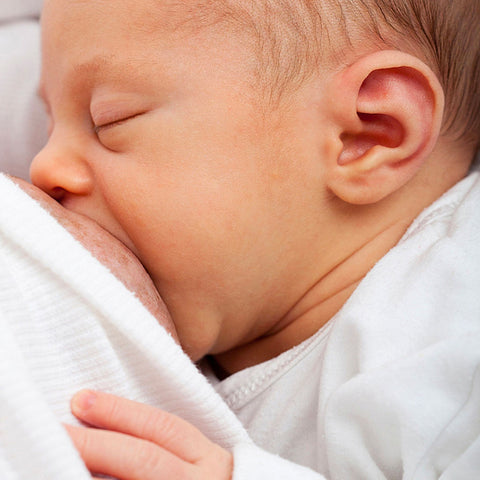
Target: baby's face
[{"x": 156, "y": 135}]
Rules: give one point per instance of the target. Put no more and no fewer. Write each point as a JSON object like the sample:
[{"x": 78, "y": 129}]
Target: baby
[{"x": 259, "y": 158}]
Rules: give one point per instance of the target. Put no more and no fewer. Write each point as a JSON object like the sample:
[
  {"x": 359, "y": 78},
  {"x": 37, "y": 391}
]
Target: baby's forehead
[
  {"x": 130, "y": 44},
  {"x": 96, "y": 35},
  {"x": 151, "y": 17}
]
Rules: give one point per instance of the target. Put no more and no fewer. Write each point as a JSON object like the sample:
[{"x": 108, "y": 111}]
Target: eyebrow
[{"x": 90, "y": 68}]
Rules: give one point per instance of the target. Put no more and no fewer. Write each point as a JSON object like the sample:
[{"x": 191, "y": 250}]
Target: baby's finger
[
  {"x": 141, "y": 421},
  {"x": 125, "y": 457}
]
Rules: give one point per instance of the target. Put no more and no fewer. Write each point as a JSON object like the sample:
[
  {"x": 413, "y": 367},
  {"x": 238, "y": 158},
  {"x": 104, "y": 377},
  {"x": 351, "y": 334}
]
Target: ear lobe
[{"x": 389, "y": 127}]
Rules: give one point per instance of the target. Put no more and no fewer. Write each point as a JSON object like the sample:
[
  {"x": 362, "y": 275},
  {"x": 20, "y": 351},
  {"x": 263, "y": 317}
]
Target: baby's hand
[{"x": 136, "y": 441}]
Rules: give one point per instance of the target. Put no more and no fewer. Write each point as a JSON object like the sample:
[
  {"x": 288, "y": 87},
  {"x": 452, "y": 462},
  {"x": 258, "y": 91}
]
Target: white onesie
[{"x": 390, "y": 387}]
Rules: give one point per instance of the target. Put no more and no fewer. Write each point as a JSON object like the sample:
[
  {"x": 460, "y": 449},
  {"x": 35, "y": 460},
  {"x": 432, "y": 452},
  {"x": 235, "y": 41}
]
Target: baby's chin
[{"x": 109, "y": 251}]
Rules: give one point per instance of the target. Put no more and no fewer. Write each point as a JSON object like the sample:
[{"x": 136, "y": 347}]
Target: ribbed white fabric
[{"x": 67, "y": 323}]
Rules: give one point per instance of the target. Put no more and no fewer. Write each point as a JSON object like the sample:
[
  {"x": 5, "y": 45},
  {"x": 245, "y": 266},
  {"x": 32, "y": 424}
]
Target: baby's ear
[{"x": 388, "y": 121}]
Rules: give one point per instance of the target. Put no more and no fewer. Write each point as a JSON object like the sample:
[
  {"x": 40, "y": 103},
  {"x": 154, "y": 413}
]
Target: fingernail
[{"x": 82, "y": 401}]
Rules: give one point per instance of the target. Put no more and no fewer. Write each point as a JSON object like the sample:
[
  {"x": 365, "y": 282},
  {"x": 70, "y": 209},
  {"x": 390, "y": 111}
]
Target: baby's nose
[{"x": 58, "y": 173}]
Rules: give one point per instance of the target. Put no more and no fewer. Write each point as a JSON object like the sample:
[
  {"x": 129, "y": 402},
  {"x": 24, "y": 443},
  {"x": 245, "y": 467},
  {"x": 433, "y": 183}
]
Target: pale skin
[{"x": 255, "y": 223}]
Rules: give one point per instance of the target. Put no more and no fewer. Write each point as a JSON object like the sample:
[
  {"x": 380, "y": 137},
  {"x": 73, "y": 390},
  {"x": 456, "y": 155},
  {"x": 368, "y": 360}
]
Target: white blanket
[{"x": 67, "y": 323}]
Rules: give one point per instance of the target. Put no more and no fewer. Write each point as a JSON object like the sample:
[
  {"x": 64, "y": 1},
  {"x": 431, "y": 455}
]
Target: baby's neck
[
  {"x": 319, "y": 304},
  {"x": 365, "y": 236}
]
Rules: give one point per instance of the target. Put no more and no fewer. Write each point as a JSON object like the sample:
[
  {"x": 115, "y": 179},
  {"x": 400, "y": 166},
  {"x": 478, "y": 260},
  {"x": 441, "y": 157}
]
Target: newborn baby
[{"x": 109, "y": 251}]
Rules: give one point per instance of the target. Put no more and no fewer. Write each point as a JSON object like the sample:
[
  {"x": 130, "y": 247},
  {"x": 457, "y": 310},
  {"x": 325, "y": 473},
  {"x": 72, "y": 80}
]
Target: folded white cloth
[{"x": 67, "y": 323}]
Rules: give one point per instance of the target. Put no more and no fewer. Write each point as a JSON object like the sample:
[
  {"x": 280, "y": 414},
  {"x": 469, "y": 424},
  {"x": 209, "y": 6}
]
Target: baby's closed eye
[
  {"x": 104, "y": 124},
  {"x": 118, "y": 132}
]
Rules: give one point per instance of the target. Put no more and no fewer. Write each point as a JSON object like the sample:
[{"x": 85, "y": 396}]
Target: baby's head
[{"x": 242, "y": 150}]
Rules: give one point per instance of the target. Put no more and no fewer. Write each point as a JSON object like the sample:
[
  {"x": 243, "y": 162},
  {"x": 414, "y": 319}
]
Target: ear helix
[{"x": 397, "y": 117}]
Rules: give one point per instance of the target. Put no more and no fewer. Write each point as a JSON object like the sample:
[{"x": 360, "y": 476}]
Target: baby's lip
[{"x": 108, "y": 250}]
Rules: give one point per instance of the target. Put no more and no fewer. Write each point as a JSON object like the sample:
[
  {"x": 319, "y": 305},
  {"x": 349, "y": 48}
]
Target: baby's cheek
[{"x": 115, "y": 139}]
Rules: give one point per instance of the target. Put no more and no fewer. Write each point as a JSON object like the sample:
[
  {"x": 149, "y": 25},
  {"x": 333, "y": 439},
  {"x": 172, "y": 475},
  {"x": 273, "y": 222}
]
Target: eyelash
[{"x": 98, "y": 128}]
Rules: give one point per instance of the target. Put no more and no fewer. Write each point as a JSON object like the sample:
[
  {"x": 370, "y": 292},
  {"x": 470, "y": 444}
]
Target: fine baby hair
[{"x": 294, "y": 37}]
